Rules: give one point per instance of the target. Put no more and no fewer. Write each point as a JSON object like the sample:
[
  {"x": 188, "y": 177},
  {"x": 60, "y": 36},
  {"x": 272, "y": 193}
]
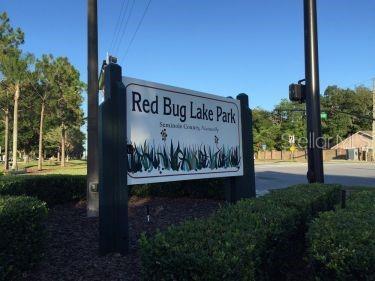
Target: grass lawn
[{"x": 73, "y": 167}]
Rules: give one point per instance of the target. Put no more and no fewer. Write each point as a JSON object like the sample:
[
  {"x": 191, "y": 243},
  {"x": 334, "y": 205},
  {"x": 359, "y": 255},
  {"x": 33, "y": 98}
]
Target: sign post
[
  {"x": 113, "y": 188},
  {"x": 244, "y": 186},
  {"x": 150, "y": 132}
]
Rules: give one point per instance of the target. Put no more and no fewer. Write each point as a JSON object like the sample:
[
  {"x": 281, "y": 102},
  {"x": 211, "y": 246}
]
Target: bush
[
  {"x": 361, "y": 201},
  {"x": 58, "y": 189},
  {"x": 52, "y": 189},
  {"x": 342, "y": 243},
  {"x": 309, "y": 200},
  {"x": 22, "y": 234},
  {"x": 255, "y": 239},
  {"x": 211, "y": 188}
]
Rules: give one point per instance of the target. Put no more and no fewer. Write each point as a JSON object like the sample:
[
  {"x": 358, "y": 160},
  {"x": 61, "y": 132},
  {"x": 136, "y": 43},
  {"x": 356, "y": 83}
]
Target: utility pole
[
  {"x": 314, "y": 130},
  {"x": 373, "y": 119},
  {"x": 92, "y": 110}
]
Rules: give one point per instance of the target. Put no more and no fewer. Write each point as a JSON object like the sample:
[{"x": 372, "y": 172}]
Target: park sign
[
  {"x": 176, "y": 134},
  {"x": 149, "y": 132}
]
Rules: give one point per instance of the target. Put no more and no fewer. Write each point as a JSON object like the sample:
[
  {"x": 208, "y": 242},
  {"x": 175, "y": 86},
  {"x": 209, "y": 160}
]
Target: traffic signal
[{"x": 297, "y": 92}]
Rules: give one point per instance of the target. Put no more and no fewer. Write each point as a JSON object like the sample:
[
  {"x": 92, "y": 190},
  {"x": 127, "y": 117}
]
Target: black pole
[
  {"x": 92, "y": 109},
  {"x": 113, "y": 188},
  {"x": 238, "y": 188},
  {"x": 314, "y": 130}
]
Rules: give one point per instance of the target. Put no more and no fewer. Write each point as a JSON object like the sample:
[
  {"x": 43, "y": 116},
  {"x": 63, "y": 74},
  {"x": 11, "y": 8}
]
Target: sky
[{"x": 218, "y": 47}]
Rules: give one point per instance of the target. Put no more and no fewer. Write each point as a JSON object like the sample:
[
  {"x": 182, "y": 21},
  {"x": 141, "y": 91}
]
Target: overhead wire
[
  {"x": 136, "y": 30},
  {"x": 118, "y": 24},
  {"x": 124, "y": 28}
]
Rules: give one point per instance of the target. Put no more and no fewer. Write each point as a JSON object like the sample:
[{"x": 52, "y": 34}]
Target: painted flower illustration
[{"x": 164, "y": 134}]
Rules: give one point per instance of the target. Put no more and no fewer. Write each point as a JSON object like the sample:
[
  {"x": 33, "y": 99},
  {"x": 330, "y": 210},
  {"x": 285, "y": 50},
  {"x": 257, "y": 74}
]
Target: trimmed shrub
[
  {"x": 58, "y": 189},
  {"x": 308, "y": 199},
  {"x": 342, "y": 243},
  {"x": 22, "y": 234},
  {"x": 361, "y": 201},
  {"x": 208, "y": 188},
  {"x": 255, "y": 239},
  {"x": 52, "y": 189}
]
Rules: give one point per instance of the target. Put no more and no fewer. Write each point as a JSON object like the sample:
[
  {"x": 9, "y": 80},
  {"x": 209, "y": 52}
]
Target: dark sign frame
[{"x": 113, "y": 188}]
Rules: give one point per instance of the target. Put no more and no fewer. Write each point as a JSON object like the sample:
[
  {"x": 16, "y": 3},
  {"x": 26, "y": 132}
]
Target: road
[{"x": 280, "y": 175}]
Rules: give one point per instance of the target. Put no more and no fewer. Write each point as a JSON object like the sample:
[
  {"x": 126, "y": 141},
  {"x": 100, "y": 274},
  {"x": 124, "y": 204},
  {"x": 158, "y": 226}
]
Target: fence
[{"x": 299, "y": 155}]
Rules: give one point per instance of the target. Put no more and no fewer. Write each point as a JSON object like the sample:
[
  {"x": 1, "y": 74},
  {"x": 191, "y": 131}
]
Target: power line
[
  {"x": 136, "y": 31},
  {"x": 123, "y": 17},
  {"x": 125, "y": 27},
  {"x": 118, "y": 24}
]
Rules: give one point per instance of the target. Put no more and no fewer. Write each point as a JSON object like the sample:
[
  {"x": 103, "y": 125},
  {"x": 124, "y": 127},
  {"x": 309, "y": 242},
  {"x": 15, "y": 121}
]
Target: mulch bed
[{"x": 72, "y": 247}]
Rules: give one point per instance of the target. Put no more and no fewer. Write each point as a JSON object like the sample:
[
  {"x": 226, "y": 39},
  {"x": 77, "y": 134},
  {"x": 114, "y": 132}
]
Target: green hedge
[
  {"x": 255, "y": 239},
  {"x": 342, "y": 243},
  {"x": 22, "y": 234},
  {"x": 211, "y": 188},
  {"x": 52, "y": 189},
  {"x": 58, "y": 189}
]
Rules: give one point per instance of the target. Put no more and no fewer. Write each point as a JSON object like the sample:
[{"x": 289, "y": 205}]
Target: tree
[
  {"x": 52, "y": 142},
  {"x": 50, "y": 99},
  {"x": 5, "y": 104},
  {"x": 68, "y": 88},
  {"x": 45, "y": 71},
  {"x": 349, "y": 111},
  {"x": 291, "y": 119},
  {"x": 14, "y": 67},
  {"x": 28, "y": 116},
  {"x": 265, "y": 130},
  {"x": 10, "y": 39},
  {"x": 75, "y": 141},
  {"x": 361, "y": 107}
]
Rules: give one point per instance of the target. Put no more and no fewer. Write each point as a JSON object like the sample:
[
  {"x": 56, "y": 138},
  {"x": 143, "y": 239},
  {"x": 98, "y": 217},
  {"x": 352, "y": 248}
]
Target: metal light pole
[
  {"x": 314, "y": 131},
  {"x": 92, "y": 110}
]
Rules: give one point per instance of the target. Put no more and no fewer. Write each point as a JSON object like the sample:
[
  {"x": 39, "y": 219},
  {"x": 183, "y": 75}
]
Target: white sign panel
[{"x": 176, "y": 134}]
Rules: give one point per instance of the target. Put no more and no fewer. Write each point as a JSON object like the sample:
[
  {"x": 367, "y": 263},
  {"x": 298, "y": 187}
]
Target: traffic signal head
[{"x": 297, "y": 93}]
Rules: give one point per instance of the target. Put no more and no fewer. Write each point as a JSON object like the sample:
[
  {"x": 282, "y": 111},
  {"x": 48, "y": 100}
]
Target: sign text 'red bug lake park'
[
  {"x": 150, "y": 132},
  {"x": 178, "y": 134}
]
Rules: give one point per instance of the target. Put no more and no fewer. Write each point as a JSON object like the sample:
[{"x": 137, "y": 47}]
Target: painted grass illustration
[{"x": 147, "y": 157}]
